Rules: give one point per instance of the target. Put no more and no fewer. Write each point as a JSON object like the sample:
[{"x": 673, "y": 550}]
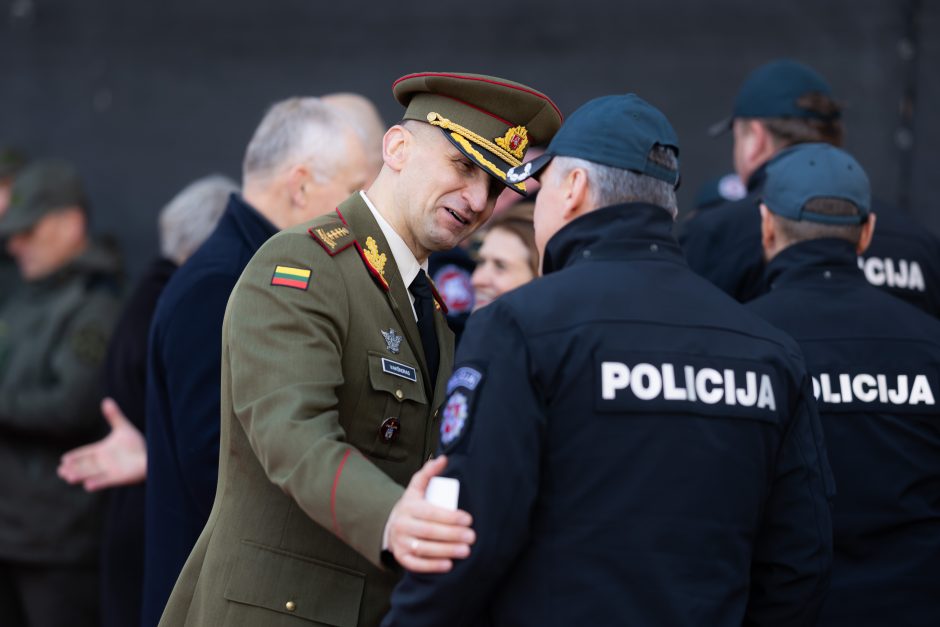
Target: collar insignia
[
  {"x": 392, "y": 341},
  {"x": 515, "y": 141},
  {"x": 375, "y": 258}
]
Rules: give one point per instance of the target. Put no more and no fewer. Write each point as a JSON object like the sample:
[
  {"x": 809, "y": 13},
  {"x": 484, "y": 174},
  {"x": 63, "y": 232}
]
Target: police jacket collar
[
  {"x": 253, "y": 227},
  {"x": 627, "y": 231},
  {"x": 824, "y": 259}
]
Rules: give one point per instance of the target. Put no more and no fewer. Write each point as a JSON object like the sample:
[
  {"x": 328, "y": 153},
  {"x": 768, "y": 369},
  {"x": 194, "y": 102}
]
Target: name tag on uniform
[
  {"x": 634, "y": 383},
  {"x": 399, "y": 369}
]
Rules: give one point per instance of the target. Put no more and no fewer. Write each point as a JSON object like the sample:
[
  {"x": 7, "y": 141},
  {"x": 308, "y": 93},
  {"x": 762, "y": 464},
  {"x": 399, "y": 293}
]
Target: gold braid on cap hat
[{"x": 437, "y": 120}]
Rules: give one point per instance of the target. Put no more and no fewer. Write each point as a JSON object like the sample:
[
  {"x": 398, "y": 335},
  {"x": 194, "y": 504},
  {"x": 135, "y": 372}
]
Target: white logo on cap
[{"x": 514, "y": 175}]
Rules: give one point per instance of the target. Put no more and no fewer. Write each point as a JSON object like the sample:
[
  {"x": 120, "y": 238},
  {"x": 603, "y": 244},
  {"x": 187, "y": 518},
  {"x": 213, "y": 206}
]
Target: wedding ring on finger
[{"x": 414, "y": 545}]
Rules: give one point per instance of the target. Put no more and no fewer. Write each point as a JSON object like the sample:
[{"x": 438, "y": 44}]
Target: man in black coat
[
  {"x": 875, "y": 362},
  {"x": 635, "y": 447}
]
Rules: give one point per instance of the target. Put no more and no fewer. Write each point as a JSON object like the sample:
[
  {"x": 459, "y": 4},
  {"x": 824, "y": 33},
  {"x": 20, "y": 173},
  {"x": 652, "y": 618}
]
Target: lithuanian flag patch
[{"x": 291, "y": 277}]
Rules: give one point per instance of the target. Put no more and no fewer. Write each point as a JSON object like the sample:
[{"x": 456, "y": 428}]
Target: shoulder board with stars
[{"x": 333, "y": 235}]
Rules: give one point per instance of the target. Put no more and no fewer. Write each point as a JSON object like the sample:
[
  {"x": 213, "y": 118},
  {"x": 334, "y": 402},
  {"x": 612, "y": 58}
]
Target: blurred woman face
[{"x": 503, "y": 265}]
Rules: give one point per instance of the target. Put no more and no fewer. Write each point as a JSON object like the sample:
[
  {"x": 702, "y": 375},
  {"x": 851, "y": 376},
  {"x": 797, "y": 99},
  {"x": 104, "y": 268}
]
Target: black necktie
[{"x": 420, "y": 288}]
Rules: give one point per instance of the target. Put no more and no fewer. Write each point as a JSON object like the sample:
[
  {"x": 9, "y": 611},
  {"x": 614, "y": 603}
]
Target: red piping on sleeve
[{"x": 339, "y": 471}]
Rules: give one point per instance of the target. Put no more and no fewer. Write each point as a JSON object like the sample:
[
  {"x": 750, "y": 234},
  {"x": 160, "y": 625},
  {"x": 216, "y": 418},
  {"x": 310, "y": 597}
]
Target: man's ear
[
  {"x": 868, "y": 232},
  {"x": 395, "y": 145},
  {"x": 762, "y": 146},
  {"x": 298, "y": 179},
  {"x": 768, "y": 232},
  {"x": 577, "y": 193}
]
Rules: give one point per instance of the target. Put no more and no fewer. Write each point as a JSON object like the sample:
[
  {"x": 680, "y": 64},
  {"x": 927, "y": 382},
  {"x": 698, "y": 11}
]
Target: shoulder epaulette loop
[{"x": 334, "y": 236}]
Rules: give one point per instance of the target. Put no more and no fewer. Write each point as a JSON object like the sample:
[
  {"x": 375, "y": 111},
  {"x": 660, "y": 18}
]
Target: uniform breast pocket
[{"x": 400, "y": 406}]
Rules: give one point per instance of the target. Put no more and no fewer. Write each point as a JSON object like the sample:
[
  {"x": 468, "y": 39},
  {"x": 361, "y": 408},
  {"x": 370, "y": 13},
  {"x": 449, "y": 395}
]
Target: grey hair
[
  {"x": 188, "y": 219},
  {"x": 365, "y": 119},
  {"x": 298, "y": 130},
  {"x": 612, "y": 186}
]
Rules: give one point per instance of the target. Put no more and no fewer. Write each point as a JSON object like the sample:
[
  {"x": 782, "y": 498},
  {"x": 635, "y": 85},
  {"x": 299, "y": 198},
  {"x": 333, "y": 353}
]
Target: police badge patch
[
  {"x": 455, "y": 416},
  {"x": 462, "y": 388}
]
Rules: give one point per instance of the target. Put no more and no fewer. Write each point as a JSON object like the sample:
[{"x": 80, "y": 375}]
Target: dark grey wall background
[{"x": 148, "y": 96}]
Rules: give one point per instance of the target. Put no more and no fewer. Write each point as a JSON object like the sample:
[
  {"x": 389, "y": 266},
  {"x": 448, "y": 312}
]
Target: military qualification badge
[{"x": 392, "y": 341}]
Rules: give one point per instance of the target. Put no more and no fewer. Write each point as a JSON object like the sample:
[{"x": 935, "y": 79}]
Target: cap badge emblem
[
  {"x": 514, "y": 141},
  {"x": 392, "y": 341}
]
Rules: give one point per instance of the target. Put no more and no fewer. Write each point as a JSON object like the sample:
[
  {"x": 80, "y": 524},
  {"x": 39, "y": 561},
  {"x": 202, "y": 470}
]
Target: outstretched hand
[
  {"x": 118, "y": 459},
  {"x": 425, "y": 538}
]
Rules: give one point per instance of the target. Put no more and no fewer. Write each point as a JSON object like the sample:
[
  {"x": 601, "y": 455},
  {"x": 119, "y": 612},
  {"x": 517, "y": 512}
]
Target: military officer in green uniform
[
  {"x": 335, "y": 360},
  {"x": 53, "y": 336}
]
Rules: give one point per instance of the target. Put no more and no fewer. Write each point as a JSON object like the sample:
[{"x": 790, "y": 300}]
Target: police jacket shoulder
[
  {"x": 904, "y": 259},
  {"x": 616, "y": 252},
  {"x": 823, "y": 276}
]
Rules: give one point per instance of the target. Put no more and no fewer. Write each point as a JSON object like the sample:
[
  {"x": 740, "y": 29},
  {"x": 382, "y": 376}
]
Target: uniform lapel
[
  {"x": 445, "y": 340},
  {"x": 363, "y": 226}
]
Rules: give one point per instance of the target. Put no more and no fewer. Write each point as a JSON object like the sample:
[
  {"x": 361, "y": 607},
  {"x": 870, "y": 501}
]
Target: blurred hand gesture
[{"x": 118, "y": 459}]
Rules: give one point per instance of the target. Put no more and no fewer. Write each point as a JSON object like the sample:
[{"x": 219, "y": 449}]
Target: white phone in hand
[{"x": 443, "y": 492}]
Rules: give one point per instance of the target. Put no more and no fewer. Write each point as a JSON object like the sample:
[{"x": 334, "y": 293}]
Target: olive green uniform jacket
[
  {"x": 53, "y": 337},
  {"x": 307, "y": 473}
]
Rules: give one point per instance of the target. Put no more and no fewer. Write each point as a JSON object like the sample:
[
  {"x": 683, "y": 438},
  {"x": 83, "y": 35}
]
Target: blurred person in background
[
  {"x": 11, "y": 162},
  {"x": 782, "y": 104},
  {"x": 53, "y": 338},
  {"x": 875, "y": 362},
  {"x": 119, "y": 461},
  {"x": 508, "y": 257},
  {"x": 304, "y": 158}
]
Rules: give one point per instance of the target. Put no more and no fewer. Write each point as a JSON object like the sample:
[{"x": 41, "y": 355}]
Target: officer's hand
[
  {"x": 118, "y": 459},
  {"x": 423, "y": 537}
]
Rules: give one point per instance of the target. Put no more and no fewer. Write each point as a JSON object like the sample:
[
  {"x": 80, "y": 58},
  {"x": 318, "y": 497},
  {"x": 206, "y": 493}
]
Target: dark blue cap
[
  {"x": 807, "y": 171},
  {"x": 616, "y": 131},
  {"x": 772, "y": 91}
]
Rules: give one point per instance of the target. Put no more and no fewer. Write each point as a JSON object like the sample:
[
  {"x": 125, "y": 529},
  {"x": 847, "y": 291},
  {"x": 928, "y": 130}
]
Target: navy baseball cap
[
  {"x": 808, "y": 171},
  {"x": 616, "y": 131},
  {"x": 772, "y": 91}
]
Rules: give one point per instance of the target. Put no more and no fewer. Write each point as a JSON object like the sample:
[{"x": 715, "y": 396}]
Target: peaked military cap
[
  {"x": 490, "y": 120},
  {"x": 39, "y": 189}
]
